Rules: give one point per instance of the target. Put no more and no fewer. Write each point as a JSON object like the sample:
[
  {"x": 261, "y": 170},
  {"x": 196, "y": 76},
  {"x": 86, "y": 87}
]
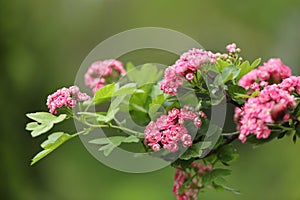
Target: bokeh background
[{"x": 42, "y": 46}]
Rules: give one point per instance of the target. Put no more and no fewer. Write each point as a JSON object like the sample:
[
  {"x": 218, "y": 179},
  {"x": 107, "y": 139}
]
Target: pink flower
[
  {"x": 187, "y": 184},
  {"x": 267, "y": 108},
  {"x": 273, "y": 71},
  {"x": 291, "y": 84},
  {"x": 197, "y": 122},
  {"x": 100, "y": 71},
  {"x": 189, "y": 76},
  {"x": 186, "y": 140},
  {"x": 169, "y": 130},
  {"x": 184, "y": 68},
  {"x": 231, "y": 48},
  {"x": 172, "y": 146},
  {"x": 155, "y": 147},
  {"x": 171, "y": 81},
  {"x": 65, "y": 97}
]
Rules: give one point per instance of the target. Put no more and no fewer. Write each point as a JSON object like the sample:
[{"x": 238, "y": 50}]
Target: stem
[
  {"x": 136, "y": 133},
  {"x": 87, "y": 108},
  {"x": 281, "y": 127},
  {"x": 85, "y": 131},
  {"x": 230, "y": 134}
]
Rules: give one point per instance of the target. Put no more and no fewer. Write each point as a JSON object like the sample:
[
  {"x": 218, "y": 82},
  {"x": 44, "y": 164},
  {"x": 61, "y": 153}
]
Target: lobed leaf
[
  {"x": 44, "y": 122},
  {"x": 110, "y": 143},
  {"x": 53, "y": 142},
  {"x": 45, "y": 117}
]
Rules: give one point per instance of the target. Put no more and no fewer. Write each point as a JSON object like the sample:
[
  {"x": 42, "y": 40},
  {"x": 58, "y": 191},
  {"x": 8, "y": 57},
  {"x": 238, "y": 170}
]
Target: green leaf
[
  {"x": 296, "y": 112},
  {"x": 129, "y": 66},
  {"x": 156, "y": 104},
  {"x": 221, "y": 64},
  {"x": 138, "y": 108},
  {"x": 40, "y": 129},
  {"x": 255, "y": 63},
  {"x": 148, "y": 73},
  {"x": 246, "y": 68},
  {"x": 195, "y": 151},
  {"x": 104, "y": 94},
  {"x": 115, "y": 103},
  {"x": 251, "y": 139},
  {"x": 295, "y": 138},
  {"x": 227, "y": 154},
  {"x": 131, "y": 139},
  {"x": 31, "y": 126},
  {"x": 142, "y": 98},
  {"x": 129, "y": 88},
  {"x": 237, "y": 93},
  {"x": 111, "y": 114},
  {"x": 44, "y": 117},
  {"x": 107, "y": 149},
  {"x": 110, "y": 143},
  {"x": 211, "y": 176},
  {"x": 53, "y": 142},
  {"x": 44, "y": 122},
  {"x": 235, "y": 89},
  {"x": 100, "y": 141},
  {"x": 298, "y": 130},
  {"x": 182, "y": 163},
  {"x": 220, "y": 184},
  {"x": 230, "y": 73}
]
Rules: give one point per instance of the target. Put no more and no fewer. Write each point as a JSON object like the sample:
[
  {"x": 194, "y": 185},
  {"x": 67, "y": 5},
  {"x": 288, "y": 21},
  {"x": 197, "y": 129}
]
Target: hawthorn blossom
[
  {"x": 171, "y": 81},
  {"x": 185, "y": 68},
  {"x": 231, "y": 48},
  {"x": 269, "y": 107},
  {"x": 101, "y": 73},
  {"x": 65, "y": 97},
  {"x": 191, "y": 189},
  {"x": 169, "y": 130},
  {"x": 188, "y": 64},
  {"x": 291, "y": 84},
  {"x": 273, "y": 71}
]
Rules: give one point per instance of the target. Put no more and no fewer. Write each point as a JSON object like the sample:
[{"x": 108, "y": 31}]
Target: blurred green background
[{"x": 42, "y": 46}]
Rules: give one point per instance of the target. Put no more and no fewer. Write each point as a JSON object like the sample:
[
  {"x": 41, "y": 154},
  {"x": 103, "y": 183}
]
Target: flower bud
[{"x": 278, "y": 112}]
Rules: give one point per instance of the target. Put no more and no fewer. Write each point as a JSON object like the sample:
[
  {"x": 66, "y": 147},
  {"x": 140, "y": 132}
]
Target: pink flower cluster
[
  {"x": 273, "y": 71},
  {"x": 231, "y": 48},
  {"x": 189, "y": 62},
  {"x": 190, "y": 190},
  {"x": 169, "y": 129},
  {"x": 65, "y": 97},
  {"x": 100, "y": 73},
  {"x": 272, "y": 102},
  {"x": 185, "y": 68}
]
